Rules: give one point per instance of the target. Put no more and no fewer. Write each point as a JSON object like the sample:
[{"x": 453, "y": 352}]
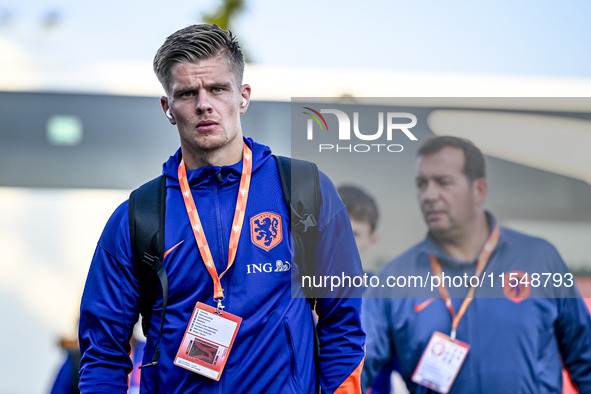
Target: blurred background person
[
  {"x": 516, "y": 342},
  {"x": 68, "y": 376},
  {"x": 364, "y": 215}
]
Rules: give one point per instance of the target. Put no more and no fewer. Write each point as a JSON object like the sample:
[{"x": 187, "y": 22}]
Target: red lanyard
[
  {"x": 218, "y": 291},
  {"x": 489, "y": 246}
]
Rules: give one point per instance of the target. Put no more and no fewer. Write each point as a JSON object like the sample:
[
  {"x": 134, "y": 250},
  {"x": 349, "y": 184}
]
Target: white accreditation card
[
  {"x": 207, "y": 341},
  {"x": 440, "y": 363}
]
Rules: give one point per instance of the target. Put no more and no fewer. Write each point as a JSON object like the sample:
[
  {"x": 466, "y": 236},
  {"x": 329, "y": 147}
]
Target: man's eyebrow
[
  {"x": 186, "y": 88},
  {"x": 218, "y": 84},
  {"x": 435, "y": 177},
  {"x": 443, "y": 177}
]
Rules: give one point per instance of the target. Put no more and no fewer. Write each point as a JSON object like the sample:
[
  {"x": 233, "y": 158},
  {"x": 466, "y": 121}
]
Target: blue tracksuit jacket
[
  {"x": 274, "y": 348},
  {"x": 517, "y": 346}
]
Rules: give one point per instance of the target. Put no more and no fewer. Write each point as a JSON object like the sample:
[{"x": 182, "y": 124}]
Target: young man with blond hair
[{"x": 221, "y": 190}]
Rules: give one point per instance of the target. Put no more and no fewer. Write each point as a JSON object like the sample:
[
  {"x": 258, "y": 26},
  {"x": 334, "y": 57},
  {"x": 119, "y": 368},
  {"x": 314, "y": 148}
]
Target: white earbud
[
  {"x": 168, "y": 114},
  {"x": 243, "y": 102}
]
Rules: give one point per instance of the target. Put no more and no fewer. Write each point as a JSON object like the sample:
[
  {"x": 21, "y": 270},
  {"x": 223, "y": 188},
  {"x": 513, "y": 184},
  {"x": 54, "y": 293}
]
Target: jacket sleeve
[
  {"x": 374, "y": 318},
  {"x": 108, "y": 311},
  {"x": 573, "y": 329},
  {"x": 340, "y": 335},
  {"x": 572, "y": 325}
]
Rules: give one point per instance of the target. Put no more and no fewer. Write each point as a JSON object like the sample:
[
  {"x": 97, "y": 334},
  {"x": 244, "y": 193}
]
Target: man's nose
[
  {"x": 203, "y": 103},
  {"x": 430, "y": 192}
]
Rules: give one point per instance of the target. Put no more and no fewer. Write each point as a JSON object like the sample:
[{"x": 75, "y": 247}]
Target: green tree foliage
[{"x": 225, "y": 13}]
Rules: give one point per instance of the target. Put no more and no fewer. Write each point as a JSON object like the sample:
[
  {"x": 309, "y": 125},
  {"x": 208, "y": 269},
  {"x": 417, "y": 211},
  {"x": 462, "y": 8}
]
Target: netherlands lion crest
[
  {"x": 266, "y": 230},
  {"x": 516, "y": 286}
]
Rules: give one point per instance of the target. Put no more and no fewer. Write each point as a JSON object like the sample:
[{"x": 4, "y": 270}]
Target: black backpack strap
[
  {"x": 301, "y": 189},
  {"x": 147, "y": 206},
  {"x": 300, "y": 182}
]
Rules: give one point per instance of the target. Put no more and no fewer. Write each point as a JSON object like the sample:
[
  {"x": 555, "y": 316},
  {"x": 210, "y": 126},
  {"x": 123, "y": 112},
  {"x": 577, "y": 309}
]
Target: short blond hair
[{"x": 195, "y": 43}]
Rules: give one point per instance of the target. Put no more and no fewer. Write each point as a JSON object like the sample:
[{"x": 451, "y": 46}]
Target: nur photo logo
[{"x": 390, "y": 126}]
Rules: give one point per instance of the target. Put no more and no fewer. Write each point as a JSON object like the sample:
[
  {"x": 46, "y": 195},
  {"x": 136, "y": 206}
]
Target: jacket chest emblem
[
  {"x": 516, "y": 286},
  {"x": 266, "y": 230}
]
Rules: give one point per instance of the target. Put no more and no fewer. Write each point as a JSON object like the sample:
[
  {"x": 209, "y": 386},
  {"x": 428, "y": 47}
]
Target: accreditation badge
[
  {"x": 207, "y": 341},
  {"x": 440, "y": 363}
]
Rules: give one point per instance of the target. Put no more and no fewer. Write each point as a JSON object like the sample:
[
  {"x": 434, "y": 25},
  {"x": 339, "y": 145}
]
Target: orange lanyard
[
  {"x": 489, "y": 246},
  {"x": 218, "y": 291}
]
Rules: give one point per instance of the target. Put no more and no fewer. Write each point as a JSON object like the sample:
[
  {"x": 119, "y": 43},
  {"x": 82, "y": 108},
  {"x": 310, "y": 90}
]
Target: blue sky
[
  {"x": 537, "y": 38},
  {"x": 522, "y": 37}
]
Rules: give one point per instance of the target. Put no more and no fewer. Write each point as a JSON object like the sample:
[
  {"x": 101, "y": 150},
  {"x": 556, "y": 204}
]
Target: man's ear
[
  {"x": 166, "y": 109},
  {"x": 480, "y": 189},
  {"x": 373, "y": 238},
  {"x": 245, "y": 100}
]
